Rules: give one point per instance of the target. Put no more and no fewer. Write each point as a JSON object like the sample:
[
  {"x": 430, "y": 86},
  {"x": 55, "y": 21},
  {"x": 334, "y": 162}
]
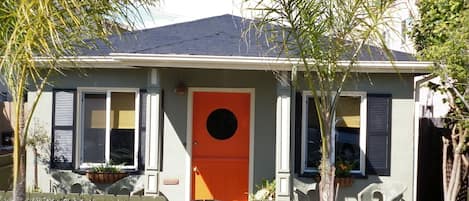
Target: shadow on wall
[
  {"x": 70, "y": 182},
  {"x": 364, "y": 188}
]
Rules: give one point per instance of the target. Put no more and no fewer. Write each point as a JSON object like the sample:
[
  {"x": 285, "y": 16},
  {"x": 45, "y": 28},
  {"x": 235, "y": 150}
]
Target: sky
[{"x": 177, "y": 11}]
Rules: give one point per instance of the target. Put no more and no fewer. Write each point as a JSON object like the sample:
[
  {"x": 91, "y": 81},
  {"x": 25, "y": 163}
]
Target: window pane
[
  {"x": 94, "y": 137},
  {"x": 122, "y": 128},
  {"x": 122, "y": 110},
  {"x": 122, "y": 146},
  {"x": 348, "y": 131},
  {"x": 313, "y": 138},
  {"x": 347, "y": 114}
]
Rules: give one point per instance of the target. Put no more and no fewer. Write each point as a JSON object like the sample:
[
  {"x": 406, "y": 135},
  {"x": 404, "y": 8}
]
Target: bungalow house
[{"x": 193, "y": 111}]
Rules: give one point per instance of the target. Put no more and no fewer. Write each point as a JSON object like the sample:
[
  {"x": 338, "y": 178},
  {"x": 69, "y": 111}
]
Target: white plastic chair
[
  {"x": 302, "y": 186},
  {"x": 388, "y": 191},
  {"x": 69, "y": 182},
  {"x": 130, "y": 185}
]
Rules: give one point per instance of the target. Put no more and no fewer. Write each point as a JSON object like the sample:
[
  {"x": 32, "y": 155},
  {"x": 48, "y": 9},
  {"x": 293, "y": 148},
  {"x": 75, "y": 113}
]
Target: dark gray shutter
[
  {"x": 143, "y": 130},
  {"x": 63, "y": 129},
  {"x": 378, "y": 147},
  {"x": 298, "y": 118}
]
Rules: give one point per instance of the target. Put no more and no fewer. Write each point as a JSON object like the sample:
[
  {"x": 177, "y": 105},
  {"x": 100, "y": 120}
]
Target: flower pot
[
  {"x": 343, "y": 181},
  {"x": 105, "y": 177}
]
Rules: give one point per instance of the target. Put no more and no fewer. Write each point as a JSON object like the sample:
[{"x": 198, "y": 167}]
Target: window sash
[
  {"x": 80, "y": 127},
  {"x": 304, "y": 131}
]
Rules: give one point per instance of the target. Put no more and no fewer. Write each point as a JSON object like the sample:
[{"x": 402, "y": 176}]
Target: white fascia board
[
  {"x": 260, "y": 63},
  {"x": 84, "y": 62},
  {"x": 126, "y": 60}
]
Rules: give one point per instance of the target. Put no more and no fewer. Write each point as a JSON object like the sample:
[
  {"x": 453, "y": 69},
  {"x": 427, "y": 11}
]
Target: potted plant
[
  {"x": 265, "y": 191},
  {"x": 105, "y": 174},
  {"x": 342, "y": 172}
]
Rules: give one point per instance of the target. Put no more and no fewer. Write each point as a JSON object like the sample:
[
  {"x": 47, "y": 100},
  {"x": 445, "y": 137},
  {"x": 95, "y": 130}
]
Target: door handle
[
  {"x": 195, "y": 143},
  {"x": 195, "y": 169}
]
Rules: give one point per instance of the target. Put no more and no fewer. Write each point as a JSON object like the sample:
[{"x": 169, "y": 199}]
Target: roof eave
[{"x": 126, "y": 60}]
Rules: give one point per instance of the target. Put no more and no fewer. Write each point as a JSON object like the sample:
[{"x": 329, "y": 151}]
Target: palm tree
[
  {"x": 321, "y": 34},
  {"x": 35, "y": 34}
]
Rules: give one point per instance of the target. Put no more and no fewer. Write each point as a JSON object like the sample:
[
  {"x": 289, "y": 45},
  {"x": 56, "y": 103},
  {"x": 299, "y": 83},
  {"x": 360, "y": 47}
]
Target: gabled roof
[{"x": 214, "y": 36}]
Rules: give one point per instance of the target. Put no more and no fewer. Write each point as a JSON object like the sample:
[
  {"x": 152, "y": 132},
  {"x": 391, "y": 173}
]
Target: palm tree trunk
[
  {"x": 326, "y": 185},
  {"x": 19, "y": 159},
  {"x": 19, "y": 192}
]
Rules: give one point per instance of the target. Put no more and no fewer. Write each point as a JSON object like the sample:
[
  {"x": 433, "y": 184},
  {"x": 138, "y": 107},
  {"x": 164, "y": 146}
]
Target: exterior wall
[
  {"x": 43, "y": 115},
  {"x": 174, "y": 161},
  {"x": 431, "y": 103},
  {"x": 402, "y": 138},
  {"x": 431, "y": 111},
  {"x": 402, "y": 11},
  {"x": 402, "y": 148},
  {"x": 174, "y": 164},
  {"x": 42, "y": 118}
]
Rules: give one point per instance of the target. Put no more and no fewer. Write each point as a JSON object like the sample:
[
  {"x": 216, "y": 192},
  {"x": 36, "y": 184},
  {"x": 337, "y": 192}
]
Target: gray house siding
[
  {"x": 175, "y": 120},
  {"x": 400, "y": 87},
  {"x": 175, "y": 115},
  {"x": 174, "y": 132},
  {"x": 117, "y": 78},
  {"x": 130, "y": 78}
]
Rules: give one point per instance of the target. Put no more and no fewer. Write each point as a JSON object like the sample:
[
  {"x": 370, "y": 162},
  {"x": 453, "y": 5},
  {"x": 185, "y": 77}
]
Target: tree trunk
[
  {"x": 19, "y": 191},
  {"x": 327, "y": 169},
  {"x": 36, "y": 186},
  {"x": 19, "y": 156},
  {"x": 455, "y": 172},
  {"x": 445, "y": 168},
  {"x": 326, "y": 185},
  {"x": 454, "y": 179}
]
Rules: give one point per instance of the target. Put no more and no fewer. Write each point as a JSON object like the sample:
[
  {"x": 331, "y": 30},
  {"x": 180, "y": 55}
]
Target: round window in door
[{"x": 222, "y": 124}]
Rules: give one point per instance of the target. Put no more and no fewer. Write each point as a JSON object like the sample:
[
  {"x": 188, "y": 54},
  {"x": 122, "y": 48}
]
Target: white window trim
[
  {"x": 80, "y": 123},
  {"x": 363, "y": 119}
]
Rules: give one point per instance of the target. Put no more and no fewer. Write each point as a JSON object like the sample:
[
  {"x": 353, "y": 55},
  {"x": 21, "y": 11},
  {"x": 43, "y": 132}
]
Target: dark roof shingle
[{"x": 214, "y": 36}]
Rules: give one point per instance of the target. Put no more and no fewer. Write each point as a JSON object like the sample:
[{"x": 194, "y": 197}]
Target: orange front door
[{"x": 220, "y": 146}]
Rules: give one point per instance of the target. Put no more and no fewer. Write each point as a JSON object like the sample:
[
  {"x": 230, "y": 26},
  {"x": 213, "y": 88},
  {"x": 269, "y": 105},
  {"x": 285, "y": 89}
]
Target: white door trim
[{"x": 190, "y": 92}]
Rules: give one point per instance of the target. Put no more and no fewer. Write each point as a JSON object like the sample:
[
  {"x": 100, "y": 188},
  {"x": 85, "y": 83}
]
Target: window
[
  {"x": 406, "y": 25},
  {"x": 349, "y": 134},
  {"x": 6, "y": 141},
  {"x": 403, "y": 32},
  {"x": 109, "y": 127}
]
